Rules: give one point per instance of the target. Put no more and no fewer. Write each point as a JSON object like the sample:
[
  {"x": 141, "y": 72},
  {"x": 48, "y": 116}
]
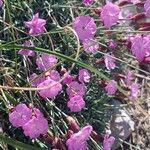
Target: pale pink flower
[
  {"x": 27, "y": 52},
  {"x": 134, "y": 91},
  {"x": 75, "y": 88},
  {"x": 78, "y": 141},
  {"x": 84, "y": 76},
  {"x": 111, "y": 87},
  {"x": 147, "y": 7},
  {"x": 109, "y": 61},
  {"x": 36, "y": 25},
  {"x": 90, "y": 46},
  {"x": 20, "y": 116},
  {"x": 46, "y": 61},
  {"x": 55, "y": 88},
  {"x": 85, "y": 27},
  {"x": 87, "y": 2},
  {"x": 108, "y": 142},
  {"x": 110, "y": 14},
  {"x": 35, "y": 127},
  {"x": 76, "y": 103}
]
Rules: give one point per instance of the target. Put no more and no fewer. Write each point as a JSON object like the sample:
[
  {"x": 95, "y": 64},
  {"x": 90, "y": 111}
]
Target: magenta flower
[
  {"x": 75, "y": 88},
  {"x": 36, "y": 25},
  {"x": 78, "y": 141},
  {"x": 109, "y": 62},
  {"x": 108, "y": 142},
  {"x": 129, "y": 78},
  {"x": 36, "y": 80},
  {"x": 27, "y": 52},
  {"x": 111, "y": 87},
  {"x": 20, "y": 116},
  {"x": 68, "y": 79},
  {"x": 87, "y": 2},
  {"x": 85, "y": 27},
  {"x": 52, "y": 91},
  {"x": 147, "y": 7},
  {"x": 54, "y": 75},
  {"x": 76, "y": 103},
  {"x": 35, "y": 127},
  {"x": 46, "y": 61},
  {"x": 90, "y": 46},
  {"x": 112, "y": 44},
  {"x": 110, "y": 14},
  {"x": 134, "y": 91},
  {"x": 84, "y": 76},
  {"x": 140, "y": 47}
]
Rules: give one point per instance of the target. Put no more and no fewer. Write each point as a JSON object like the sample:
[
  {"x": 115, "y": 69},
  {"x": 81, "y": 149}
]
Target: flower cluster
[{"x": 31, "y": 120}]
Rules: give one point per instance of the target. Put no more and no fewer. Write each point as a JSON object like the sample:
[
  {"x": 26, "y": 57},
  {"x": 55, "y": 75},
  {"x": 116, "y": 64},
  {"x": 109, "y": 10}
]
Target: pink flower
[
  {"x": 49, "y": 92},
  {"x": 90, "y": 46},
  {"x": 140, "y": 47},
  {"x": 87, "y": 2},
  {"x": 46, "y": 61},
  {"x": 112, "y": 44},
  {"x": 76, "y": 103},
  {"x": 27, "y": 52},
  {"x": 147, "y": 7},
  {"x": 68, "y": 79},
  {"x": 108, "y": 142},
  {"x": 110, "y": 14},
  {"x": 21, "y": 115},
  {"x": 54, "y": 75},
  {"x": 111, "y": 87},
  {"x": 78, "y": 141},
  {"x": 134, "y": 91},
  {"x": 85, "y": 27},
  {"x": 75, "y": 88},
  {"x": 36, "y": 80},
  {"x": 35, "y": 127},
  {"x": 36, "y": 25},
  {"x": 109, "y": 62},
  {"x": 129, "y": 77},
  {"x": 1, "y": 3},
  {"x": 84, "y": 76}
]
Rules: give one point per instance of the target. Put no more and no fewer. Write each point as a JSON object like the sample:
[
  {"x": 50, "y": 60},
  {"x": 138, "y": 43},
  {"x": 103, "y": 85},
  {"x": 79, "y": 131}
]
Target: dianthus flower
[
  {"x": 20, "y": 116},
  {"x": 128, "y": 78},
  {"x": 68, "y": 79},
  {"x": 75, "y": 88},
  {"x": 76, "y": 103},
  {"x": 36, "y": 25},
  {"x": 87, "y": 2},
  {"x": 46, "y": 61},
  {"x": 134, "y": 91},
  {"x": 27, "y": 52},
  {"x": 90, "y": 46},
  {"x": 78, "y": 141},
  {"x": 109, "y": 62},
  {"x": 140, "y": 47},
  {"x": 84, "y": 76},
  {"x": 85, "y": 27},
  {"x": 111, "y": 87},
  {"x": 147, "y": 7},
  {"x": 110, "y": 14},
  {"x": 51, "y": 92},
  {"x": 54, "y": 75},
  {"x": 108, "y": 142}
]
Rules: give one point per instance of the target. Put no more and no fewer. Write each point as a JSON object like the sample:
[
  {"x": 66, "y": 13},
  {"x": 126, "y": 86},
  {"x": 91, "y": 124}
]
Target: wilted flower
[
  {"x": 46, "y": 61},
  {"x": 87, "y": 2},
  {"x": 134, "y": 91},
  {"x": 78, "y": 141},
  {"x": 27, "y": 52},
  {"x": 108, "y": 142},
  {"x": 147, "y": 7},
  {"x": 20, "y": 116},
  {"x": 109, "y": 62},
  {"x": 53, "y": 90},
  {"x": 110, "y": 14},
  {"x": 111, "y": 87},
  {"x": 75, "y": 88},
  {"x": 35, "y": 127},
  {"x": 36, "y": 25},
  {"x": 84, "y": 76},
  {"x": 85, "y": 27},
  {"x": 76, "y": 103},
  {"x": 90, "y": 46}
]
